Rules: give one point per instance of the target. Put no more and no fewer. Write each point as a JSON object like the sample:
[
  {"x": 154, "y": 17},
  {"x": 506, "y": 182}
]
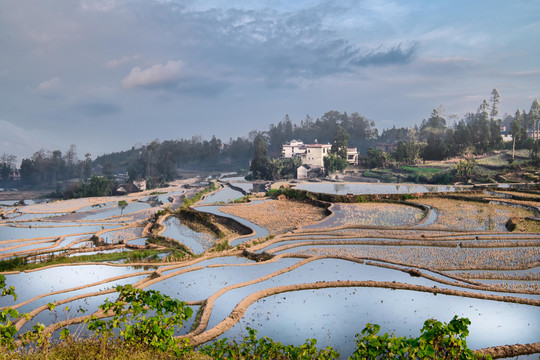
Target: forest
[{"x": 438, "y": 137}]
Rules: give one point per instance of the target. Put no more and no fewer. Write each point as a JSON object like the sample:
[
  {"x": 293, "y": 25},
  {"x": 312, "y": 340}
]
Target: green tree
[
  {"x": 260, "y": 165},
  {"x": 87, "y": 167},
  {"x": 333, "y": 163},
  {"x": 437, "y": 341},
  {"x": 122, "y": 204},
  {"x": 465, "y": 168},
  {"x": 27, "y": 171},
  {"x": 495, "y": 99},
  {"x": 340, "y": 144},
  {"x": 7, "y": 165},
  {"x": 285, "y": 168},
  {"x": 97, "y": 186},
  {"x": 534, "y": 118},
  {"x": 408, "y": 152},
  {"x": 376, "y": 159},
  {"x": 144, "y": 317}
]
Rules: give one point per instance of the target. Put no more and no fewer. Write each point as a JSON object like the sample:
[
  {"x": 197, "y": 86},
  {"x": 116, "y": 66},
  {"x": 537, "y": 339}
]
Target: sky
[{"x": 107, "y": 75}]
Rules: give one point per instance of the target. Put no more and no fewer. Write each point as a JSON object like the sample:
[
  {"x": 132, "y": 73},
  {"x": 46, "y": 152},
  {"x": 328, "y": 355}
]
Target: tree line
[{"x": 157, "y": 162}]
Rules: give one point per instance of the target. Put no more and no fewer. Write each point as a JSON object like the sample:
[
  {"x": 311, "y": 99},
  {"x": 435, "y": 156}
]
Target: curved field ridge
[
  {"x": 240, "y": 309},
  {"x": 413, "y": 246}
]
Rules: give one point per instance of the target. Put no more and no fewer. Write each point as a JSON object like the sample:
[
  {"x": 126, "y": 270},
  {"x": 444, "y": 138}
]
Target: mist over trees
[{"x": 438, "y": 137}]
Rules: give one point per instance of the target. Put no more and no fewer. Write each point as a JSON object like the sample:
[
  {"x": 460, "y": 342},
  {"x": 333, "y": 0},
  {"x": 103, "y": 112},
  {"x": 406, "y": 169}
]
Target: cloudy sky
[{"x": 108, "y": 74}]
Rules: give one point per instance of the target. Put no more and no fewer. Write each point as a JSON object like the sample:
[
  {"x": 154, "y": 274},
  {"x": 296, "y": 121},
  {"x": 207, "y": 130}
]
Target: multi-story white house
[
  {"x": 352, "y": 156},
  {"x": 293, "y": 148},
  {"x": 315, "y": 153}
]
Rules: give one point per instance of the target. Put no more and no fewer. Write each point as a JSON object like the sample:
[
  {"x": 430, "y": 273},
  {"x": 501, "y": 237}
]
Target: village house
[
  {"x": 293, "y": 148},
  {"x": 313, "y": 155},
  {"x": 132, "y": 187},
  {"x": 352, "y": 156}
]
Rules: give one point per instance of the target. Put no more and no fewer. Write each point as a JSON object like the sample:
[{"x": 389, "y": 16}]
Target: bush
[
  {"x": 437, "y": 341},
  {"x": 265, "y": 348},
  {"x": 137, "y": 327}
]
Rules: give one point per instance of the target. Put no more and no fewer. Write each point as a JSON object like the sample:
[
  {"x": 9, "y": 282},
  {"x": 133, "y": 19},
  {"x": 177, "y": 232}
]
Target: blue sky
[{"x": 109, "y": 74}]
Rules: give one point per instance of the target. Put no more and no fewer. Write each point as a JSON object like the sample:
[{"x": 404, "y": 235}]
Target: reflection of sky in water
[
  {"x": 225, "y": 195},
  {"x": 246, "y": 186},
  {"x": 259, "y": 231},
  {"x": 48, "y": 317},
  {"x": 197, "y": 242},
  {"x": 37, "y": 216},
  {"x": 116, "y": 211},
  {"x": 200, "y": 284},
  {"x": 356, "y": 188},
  {"x": 28, "y": 247},
  {"x": 28, "y": 285},
  {"x": 217, "y": 260},
  {"x": 14, "y": 233},
  {"x": 57, "y": 297},
  {"x": 122, "y": 234},
  {"x": 319, "y": 270},
  {"x": 333, "y": 316}
]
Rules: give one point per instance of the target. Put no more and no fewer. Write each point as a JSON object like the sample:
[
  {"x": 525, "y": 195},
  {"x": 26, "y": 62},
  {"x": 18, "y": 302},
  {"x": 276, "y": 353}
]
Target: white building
[
  {"x": 315, "y": 154},
  {"x": 352, "y": 156},
  {"x": 293, "y": 148}
]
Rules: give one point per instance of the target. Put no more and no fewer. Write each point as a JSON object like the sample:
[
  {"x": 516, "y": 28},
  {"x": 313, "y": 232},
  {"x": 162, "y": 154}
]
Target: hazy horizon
[{"x": 108, "y": 74}]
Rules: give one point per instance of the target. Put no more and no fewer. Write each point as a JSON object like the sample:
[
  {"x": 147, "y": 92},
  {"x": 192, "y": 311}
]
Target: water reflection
[
  {"x": 198, "y": 242},
  {"x": 333, "y": 316}
]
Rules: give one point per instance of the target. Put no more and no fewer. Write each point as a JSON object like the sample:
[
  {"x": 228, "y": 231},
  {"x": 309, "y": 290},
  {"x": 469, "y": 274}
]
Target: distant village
[{"x": 312, "y": 156}]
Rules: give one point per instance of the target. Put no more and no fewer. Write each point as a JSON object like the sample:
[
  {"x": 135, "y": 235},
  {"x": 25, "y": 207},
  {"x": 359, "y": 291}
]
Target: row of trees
[
  {"x": 477, "y": 132},
  {"x": 157, "y": 162},
  {"x": 362, "y": 132},
  {"x": 47, "y": 168}
]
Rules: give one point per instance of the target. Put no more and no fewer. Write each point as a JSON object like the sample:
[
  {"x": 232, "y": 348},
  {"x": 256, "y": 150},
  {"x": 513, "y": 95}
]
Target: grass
[
  {"x": 198, "y": 196},
  {"x": 525, "y": 225},
  {"x": 420, "y": 170},
  {"x": 383, "y": 175},
  {"x": 83, "y": 349}
]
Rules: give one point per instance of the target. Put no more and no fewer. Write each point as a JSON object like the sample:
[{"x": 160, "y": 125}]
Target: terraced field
[{"x": 308, "y": 270}]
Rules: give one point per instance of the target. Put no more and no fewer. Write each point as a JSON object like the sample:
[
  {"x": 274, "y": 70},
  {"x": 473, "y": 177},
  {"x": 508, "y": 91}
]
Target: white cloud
[
  {"x": 49, "y": 85},
  {"x": 100, "y": 5},
  {"x": 157, "y": 75},
  {"x": 111, "y": 64}
]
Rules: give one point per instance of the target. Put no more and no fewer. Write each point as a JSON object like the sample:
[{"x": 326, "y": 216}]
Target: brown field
[{"x": 278, "y": 216}]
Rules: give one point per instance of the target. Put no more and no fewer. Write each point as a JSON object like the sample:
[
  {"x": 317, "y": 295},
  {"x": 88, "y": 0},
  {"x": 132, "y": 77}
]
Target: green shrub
[
  {"x": 265, "y": 348},
  {"x": 131, "y": 317},
  {"x": 437, "y": 341}
]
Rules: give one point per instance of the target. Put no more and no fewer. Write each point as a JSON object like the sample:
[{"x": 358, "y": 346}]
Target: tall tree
[
  {"x": 7, "y": 165},
  {"x": 495, "y": 99},
  {"x": 260, "y": 165},
  {"x": 340, "y": 144},
  {"x": 534, "y": 118},
  {"x": 483, "y": 108},
  {"x": 70, "y": 158}
]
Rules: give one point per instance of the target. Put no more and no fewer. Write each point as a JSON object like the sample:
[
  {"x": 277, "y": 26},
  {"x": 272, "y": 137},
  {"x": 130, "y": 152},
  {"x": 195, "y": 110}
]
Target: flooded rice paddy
[{"x": 303, "y": 273}]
